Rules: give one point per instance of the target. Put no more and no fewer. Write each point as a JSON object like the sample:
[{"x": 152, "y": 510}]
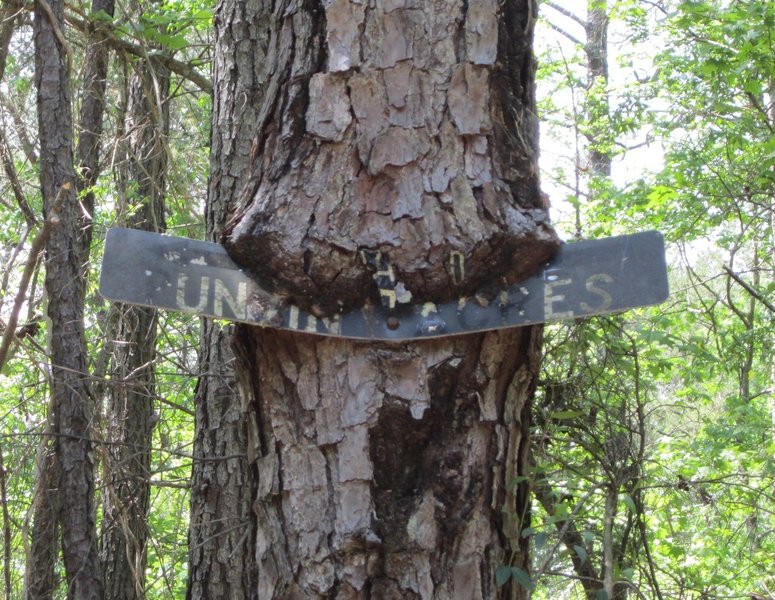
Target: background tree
[
  {"x": 67, "y": 457},
  {"x": 130, "y": 414},
  {"x": 23, "y": 420},
  {"x": 224, "y": 479},
  {"x": 591, "y": 435},
  {"x": 643, "y": 113}
]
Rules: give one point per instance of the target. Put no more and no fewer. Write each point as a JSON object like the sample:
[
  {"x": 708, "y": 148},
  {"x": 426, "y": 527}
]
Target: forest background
[{"x": 654, "y": 431}]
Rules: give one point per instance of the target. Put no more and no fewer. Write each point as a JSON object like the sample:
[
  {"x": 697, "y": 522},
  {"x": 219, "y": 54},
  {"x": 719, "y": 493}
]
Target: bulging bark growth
[{"x": 400, "y": 127}]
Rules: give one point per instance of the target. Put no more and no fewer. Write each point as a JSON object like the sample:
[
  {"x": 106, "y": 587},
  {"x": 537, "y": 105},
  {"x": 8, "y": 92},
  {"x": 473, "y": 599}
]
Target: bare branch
[
  {"x": 561, "y": 31},
  {"x": 13, "y": 178},
  {"x": 565, "y": 12},
  {"x": 749, "y": 289}
]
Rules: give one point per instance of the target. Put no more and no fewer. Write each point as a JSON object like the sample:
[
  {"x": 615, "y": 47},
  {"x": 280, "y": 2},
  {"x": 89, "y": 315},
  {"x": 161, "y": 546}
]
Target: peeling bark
[{"x": 387, "y": 471}]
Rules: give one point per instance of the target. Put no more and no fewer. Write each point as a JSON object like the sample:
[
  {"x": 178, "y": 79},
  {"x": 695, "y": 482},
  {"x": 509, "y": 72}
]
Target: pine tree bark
[
  {"x": 71, "y": 413},
  {"x": 130, "y": 408},
  {"x": 40, "y": 579},
  {"x": 407, "y": 128},
  {"x": 222, "y": 533},
  {"x": 222, "y": 530}
]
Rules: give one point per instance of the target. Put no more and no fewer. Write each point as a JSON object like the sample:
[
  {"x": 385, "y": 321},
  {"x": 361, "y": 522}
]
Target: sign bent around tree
[{"x": 584, "y": 278}]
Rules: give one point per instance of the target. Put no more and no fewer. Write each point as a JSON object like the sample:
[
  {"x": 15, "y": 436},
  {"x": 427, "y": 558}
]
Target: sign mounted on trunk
[{"x": 585, "y": 278}]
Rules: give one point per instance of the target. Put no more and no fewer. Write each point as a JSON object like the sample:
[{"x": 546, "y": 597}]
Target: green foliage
[
  {"x": 504, "y": 574},
  {"x": 172, "y": 25},
  {"x": 659, "y": 421},
  {"x": 688, "y": 386},
  {"x": 183, "y": 28}
]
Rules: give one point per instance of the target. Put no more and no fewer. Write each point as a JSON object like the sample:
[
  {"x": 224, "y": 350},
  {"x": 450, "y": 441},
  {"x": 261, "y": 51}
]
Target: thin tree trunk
[
  {"x": 92, "y": 112},
  {"x": 611, "y": 499},
  {"x": 222, "y": 535},
  {"x": 130, "y": 410},
  {"x": 772, "y": 260},
  {"x": 597, "y": 75},
  {"x": 71, "y": 406},
  {"x": 6, "y": 527},
  {"x": 404, "y": 132},
  {"x": 8, "y": 18}
]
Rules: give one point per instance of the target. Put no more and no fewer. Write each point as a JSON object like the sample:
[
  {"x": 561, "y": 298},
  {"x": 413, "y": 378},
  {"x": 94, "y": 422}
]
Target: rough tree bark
[
  {"x": 130, "y": 408},
  {"x": 222, "y": 535},
  {"x": 67, "y": 494},
  {"x": 403, "y": 128}
]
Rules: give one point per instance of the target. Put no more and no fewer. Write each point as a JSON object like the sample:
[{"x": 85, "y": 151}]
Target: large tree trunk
[
  {"x": 389, "y": 471},
  {"x": 72, "y": 462},
  {"x": 404, "y": 129}
]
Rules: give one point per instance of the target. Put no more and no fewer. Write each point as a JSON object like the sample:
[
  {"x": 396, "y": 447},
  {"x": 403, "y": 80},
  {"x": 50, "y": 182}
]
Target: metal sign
[{"x": 584, "y": 278}]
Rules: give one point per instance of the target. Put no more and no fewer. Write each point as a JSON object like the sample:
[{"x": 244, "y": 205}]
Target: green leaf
[
  {"x": 203, "y": 15},
  {"x": 522, "y": 578},
  {"x": 540, "y": 540},
  {"x": 502, "y": 575},
  {"x": 630, "y": 503},
  {"x": 581, "y": 553}
]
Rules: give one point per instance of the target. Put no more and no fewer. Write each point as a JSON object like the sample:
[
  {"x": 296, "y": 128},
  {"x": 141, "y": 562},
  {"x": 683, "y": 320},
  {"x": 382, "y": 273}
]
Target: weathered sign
[{"x": 584, "y": 278}]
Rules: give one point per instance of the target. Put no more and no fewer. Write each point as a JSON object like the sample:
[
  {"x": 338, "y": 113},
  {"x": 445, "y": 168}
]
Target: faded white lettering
[
  {"x": 293, "y": 317},
  {"x": 180, "y": 298},
  {"x": 592, "y": 287},
  {"x": 312, "y": 324},
  {"x": 237, "y": 305},
  {"x": 550, "y": 298}
]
